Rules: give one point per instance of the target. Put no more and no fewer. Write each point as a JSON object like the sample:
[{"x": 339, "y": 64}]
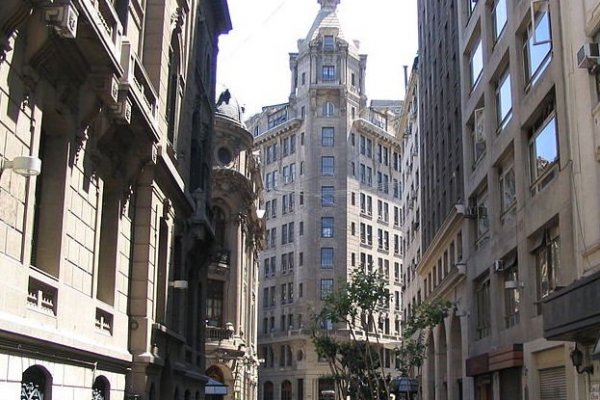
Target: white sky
[{"x": 253, "y": 59}]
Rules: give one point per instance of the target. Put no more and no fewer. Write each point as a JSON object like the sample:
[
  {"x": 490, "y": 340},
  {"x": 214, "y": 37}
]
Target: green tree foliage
[
  {"x": 354, "y": 362},
  {"x": 411, "y": 353}
]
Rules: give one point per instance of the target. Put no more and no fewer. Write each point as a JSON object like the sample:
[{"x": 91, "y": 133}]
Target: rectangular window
[
  {"x": 506, "y": 180},
  {"x": 326, "y": 288},
  {"x": 478, "y": 135},
  {"x": 284, "y": 234},
  {"x": 547, "y": 262},
  {"x": 214, "y": 303},
  {"x": 328, "y": 73},
  {"x": 327, "y": 134},
  {"x": 327, "y": 257},
  {"x": 503, "y": 100},
  {"x": 328, "y": 43},
  {"x": 327, "y": 196},
  {"x": 543, "y": 152},
  {"x": 512, "y": 295},
  {"x": 327, "y": 165},
  {"x": 482, "y": 298},
  {"x": 537, "y": 48},
  {"x": 327, "y": 227},
  {"x": 499, "y": 17},
  {"x": 476, "y": 63}
]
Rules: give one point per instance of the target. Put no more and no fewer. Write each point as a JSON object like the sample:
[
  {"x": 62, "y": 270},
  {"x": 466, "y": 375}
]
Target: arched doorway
[
  {"x": 101, "y": 389},
  {"x": 286, "y": 390},
  {"x": 36, "y": 383},
  {"x": 268, "y": 390},
  {"x": 456, "y": 359},
  {"x": 442, "y": 363},
  {"x": 429, "y": 381}
]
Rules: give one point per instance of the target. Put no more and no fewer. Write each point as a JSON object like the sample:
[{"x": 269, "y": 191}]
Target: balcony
[
  {"x": 104, "y": 22},
  {"x": 572, "y": 313},
  {"x": 135, "y": 84}
]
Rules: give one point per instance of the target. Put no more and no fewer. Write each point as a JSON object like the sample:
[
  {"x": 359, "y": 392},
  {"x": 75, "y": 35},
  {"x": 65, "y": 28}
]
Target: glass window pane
[
  {"x": 504, "y": 101},
  {"x": 500, "y": 17},
  {"x": 476, "y": 63},
  {"x": 546, "y": 149}
]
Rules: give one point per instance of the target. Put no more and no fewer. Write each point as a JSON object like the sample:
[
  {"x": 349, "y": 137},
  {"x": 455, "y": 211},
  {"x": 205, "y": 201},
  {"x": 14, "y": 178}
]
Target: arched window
[
  {"x": 286, "y": 390},
  {"x": 173, "y": 87},
  {"x": 187, "y": 395},
  {"x": 328, "y": 109},
  {"x": 268, "y": 391},
  {"x": 36, "y": 383},
  {"x": 101, "y": 389}
]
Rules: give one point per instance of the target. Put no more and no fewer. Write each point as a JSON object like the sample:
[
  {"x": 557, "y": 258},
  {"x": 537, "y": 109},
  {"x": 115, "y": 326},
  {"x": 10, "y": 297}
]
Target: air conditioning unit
[
  {"x": 499, "y": 265},
  {"x": 588, "y": 56}
]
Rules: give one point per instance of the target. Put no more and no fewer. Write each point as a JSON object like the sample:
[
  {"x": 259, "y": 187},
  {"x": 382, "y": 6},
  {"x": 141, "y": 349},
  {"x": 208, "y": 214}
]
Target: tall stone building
[
  {"x": 571, "y": 313},
  {"x": 530, "y": 166},
  {"x": 331, "y": 167},
  {"x": 105, "y": 254}
]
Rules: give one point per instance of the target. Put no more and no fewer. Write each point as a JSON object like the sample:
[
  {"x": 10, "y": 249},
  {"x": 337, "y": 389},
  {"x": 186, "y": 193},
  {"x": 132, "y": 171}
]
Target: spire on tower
[{"x": 330, "y": 4}]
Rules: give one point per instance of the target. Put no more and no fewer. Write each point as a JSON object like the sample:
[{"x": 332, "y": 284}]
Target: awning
[{"x": 215, "y": 388}]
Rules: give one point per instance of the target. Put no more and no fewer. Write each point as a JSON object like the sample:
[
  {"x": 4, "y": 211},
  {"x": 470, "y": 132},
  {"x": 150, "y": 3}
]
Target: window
[
  {"x": 36, "y": 383},
  {"x": 482, "y": 298},
  {"x": 214, "y": 303},
  {"x": 547, "y": 262},
  {"x": 512, "y": 294},
  {"x": 327, "y": 165},
  {"x": 481, "y": 218},
  {"x": 476, "y": 63},
  {"x": 506, "y": 180},
  {"x": 328, "y": 110},
  {"x": 303, "y": 78},
  {"x": 326, "y": 288},
  {"x": 277, "y": 118},
  {"x": 543, "y": 152},
  {"x": 499, "y": 17},
  {"x": 292, "y": 144},
  {"x": 503, "y": 100},
  {"x": 478, "y": 135},
  {"x": 471, "y": 6},
  {"x": 327, "y": 134},
  {"x": 327, "y": 257},
  {"x": 537, "y": 49},
  {"x": 327, "y": 196},
  {"x": 328, "y": 73},
  {"x": 328, "y": 42},
  {"x": 327, "y": 227}
]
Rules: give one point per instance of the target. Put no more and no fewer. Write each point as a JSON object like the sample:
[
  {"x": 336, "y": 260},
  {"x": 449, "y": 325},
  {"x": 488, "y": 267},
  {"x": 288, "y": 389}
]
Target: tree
[
  {"x": 355, "y": 363},
  {"x": 426, "y": 316}
]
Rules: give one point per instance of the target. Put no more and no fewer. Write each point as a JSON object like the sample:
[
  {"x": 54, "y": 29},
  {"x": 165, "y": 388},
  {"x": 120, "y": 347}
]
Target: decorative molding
[{"x": 63, "y": 18}]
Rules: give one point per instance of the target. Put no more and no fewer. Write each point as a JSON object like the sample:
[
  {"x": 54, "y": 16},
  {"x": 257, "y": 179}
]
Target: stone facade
[
  {"x": 104, "y": 255},
  {"x": 523, "y": 236},
  {"x": 331, "y": 167},
  {"x": 231, "y": 342}
]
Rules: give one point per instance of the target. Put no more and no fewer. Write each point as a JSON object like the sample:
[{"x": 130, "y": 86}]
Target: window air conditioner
[{"x": 588, "y": 56}]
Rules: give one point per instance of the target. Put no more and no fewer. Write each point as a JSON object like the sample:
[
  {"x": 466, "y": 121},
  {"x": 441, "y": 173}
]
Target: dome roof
[{"x": 229, "y": 106}]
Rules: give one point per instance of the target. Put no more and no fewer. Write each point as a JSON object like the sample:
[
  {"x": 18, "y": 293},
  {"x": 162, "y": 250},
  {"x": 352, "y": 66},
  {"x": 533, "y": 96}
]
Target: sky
[{"x": 253, "y": 60}]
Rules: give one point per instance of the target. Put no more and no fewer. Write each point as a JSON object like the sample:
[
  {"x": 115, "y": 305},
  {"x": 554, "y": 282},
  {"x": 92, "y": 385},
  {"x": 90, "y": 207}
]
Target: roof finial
[{"x": 329, "y": 4}]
